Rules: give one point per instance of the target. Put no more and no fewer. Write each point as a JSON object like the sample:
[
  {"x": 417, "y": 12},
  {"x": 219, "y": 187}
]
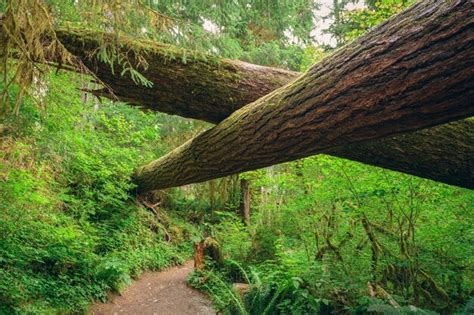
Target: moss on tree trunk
[
  {"x": 204, "y": 87},
  {"x": 412, "y": 72}
]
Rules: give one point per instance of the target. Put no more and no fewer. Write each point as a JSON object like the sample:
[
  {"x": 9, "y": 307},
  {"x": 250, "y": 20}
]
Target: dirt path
[{"x": 158, "y": 293}]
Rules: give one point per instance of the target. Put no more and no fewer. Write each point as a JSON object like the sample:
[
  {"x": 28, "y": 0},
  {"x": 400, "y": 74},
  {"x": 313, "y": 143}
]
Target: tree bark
[
  {"x": 245, "y": 202},
  {"x": 207, "y": 248},
  {"x": 443, "y": 153},
  {"x": 185, "y": 83},
  {"x": 412, "y": 72},
  {"x": 212, "y": 89},
  {"x": 203, "y": 87}
]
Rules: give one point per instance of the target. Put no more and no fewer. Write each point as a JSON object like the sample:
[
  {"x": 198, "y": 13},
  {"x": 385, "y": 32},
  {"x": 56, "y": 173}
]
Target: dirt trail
[{"x": 158, "y": 293}]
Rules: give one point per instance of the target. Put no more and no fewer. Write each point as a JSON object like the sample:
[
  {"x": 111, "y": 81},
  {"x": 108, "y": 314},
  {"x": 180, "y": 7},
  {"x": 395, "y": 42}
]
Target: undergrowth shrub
[
  {"x": 273, "y": 289},
  {"x": 70, "y": 232},
  {"x": 233, "y": 236}
]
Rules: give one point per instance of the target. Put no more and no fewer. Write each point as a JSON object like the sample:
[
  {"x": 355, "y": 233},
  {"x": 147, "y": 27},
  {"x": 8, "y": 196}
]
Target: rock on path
[{"x": 158, "y": 293}]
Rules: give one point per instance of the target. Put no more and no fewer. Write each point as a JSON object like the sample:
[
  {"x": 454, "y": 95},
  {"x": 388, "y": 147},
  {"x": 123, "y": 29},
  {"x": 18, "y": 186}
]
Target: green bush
[{"x": 70, "y": 230}]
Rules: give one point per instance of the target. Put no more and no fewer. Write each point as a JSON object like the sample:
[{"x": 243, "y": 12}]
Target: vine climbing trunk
[{"x": 412, "y": 72}]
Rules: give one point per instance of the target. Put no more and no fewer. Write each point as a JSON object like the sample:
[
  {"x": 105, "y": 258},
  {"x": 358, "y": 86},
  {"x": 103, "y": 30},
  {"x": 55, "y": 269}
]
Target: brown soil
[{"x": 158, "y": 293}]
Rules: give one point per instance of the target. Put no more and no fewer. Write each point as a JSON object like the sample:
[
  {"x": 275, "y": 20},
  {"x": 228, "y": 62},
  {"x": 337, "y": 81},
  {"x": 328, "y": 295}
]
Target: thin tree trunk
[
  {"x": 245, "y": 202},
  {"x": 412, "y": 72}
]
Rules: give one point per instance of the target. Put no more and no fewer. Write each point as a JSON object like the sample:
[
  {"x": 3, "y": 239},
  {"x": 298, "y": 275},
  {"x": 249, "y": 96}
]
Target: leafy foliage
[
  {"x": 261, "y": 32},
  {"x": 70, "y": 230},
  {"x": 350, "y": 24},
  {"x": 322, "y": 228},
  {"x": 326, "y": 235}
]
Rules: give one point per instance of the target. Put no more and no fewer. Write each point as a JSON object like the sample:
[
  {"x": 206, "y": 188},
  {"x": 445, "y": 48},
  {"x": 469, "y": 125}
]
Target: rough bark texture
[
  {"x": 225, "y": 85},
  {"x": 199, "y": 256},
  {"x": 443, "y": 153},
  {"x": 204, "y": 87},
  {"x": 185, "y": 83},
  {"x": 412, "y": 72}
]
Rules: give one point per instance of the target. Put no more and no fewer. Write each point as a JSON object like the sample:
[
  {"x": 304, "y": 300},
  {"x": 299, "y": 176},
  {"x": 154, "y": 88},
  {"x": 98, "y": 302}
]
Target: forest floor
[{"x": 157, "y": 293}]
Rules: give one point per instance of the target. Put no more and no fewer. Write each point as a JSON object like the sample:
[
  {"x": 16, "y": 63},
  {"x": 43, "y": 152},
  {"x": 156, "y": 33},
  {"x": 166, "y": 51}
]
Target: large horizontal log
[
  {"x": 185, "y": 83},
  {"x": 443, "y": 153},
  {"x": 208, "y": 88},
  {"x": 211, "y": 89},
  {"x": 412, "y": 72}
]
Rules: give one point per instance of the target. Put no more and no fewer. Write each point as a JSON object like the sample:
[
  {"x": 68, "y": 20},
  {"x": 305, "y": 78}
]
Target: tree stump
[{"x": 207, "y": 248}]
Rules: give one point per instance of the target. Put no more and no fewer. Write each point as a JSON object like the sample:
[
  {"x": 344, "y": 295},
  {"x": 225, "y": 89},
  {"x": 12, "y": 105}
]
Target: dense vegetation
[
  {"x": 70, "y": 230},
  {"x": 323, "y": 228},
  {"x": 325, "y": 235}
]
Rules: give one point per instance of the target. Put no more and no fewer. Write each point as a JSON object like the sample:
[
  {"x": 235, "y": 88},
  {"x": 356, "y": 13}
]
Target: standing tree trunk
[
  {"x": 207, "y": 248},
  {"x": 245, "y": 202},
  {"x": 412, "y": 72}
]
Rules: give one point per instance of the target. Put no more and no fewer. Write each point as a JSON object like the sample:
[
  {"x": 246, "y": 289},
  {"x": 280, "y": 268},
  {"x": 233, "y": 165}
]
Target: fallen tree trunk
[
  {"x": 412, "y": 72},
  {"x": 202, "y": 87},
  {"x": 443, "y": 153},
  {"x": 211, "y": 89},
  {"x": 185, "y": 83}
]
